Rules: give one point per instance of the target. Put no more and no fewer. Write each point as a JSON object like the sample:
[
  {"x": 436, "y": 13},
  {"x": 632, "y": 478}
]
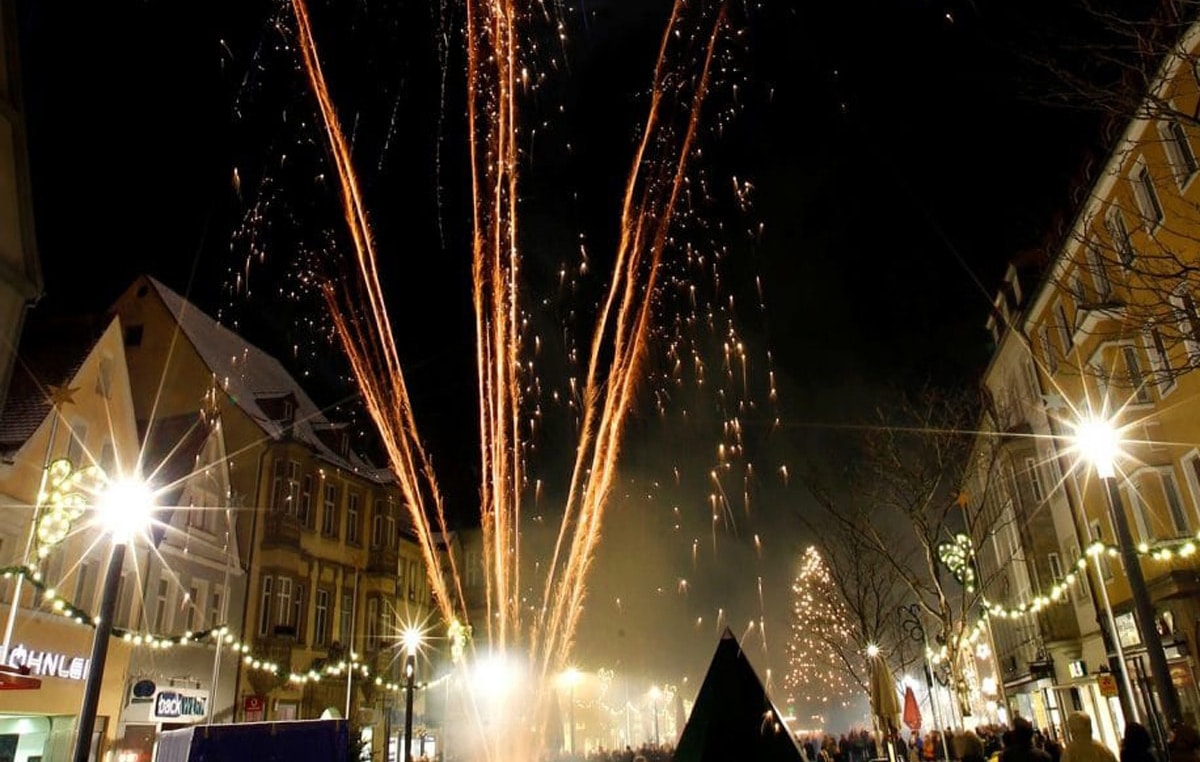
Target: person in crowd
[
  {"x": 1183, "y": 744},
  {"x": 1082, "y": 746},
  {"x": 1021, "y": 748},
  {"x": 1137, "y": 746},
  {"x": 968, "y": 747}
]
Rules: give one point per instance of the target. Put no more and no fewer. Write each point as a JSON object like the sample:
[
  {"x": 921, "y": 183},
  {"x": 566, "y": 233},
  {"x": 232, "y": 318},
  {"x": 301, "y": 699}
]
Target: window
[
  {"x": 284, "y": 598},
  {"x": 285, "y": 487},
  {"x": 264, "y": 607},
  {"x": 1179, "y": 151},
  {"x": 1035, "y": 480},
  {"x": 389, "y": 527},
  {"x": 195, "y": 614},
  {"x": 1099, "y": 272},
  {"x": 108, "y": 457},
  {"x": 104, "y": 378},
  {"x": 76, "y": 445},
  {"x": 346, "y": 615},
  {"x": 1056, "y": 571},
  {"x": 161, "y": 608},
  {"x": 133, "y": 335},
  {"x": 1188, "y": 321},
  {"x": 1160, "y": 360},
  {"x": 1065, "y": 326},
  {"x": 414, "y": 575},
  {"x": 372, "y": 623},
  {"x": 304, "y": 511},
  {"x": 1102, "y": 558},
  {"x": 377, "y": 526},
  {"x": 1147, "y": 197},
  {"x": 1175, "y": 504},
  {"x": 1082, "y": 576},
  {"x": 1191, "y": 469},
  {"x": 298, "y": 620},
  {"x": 1142, "y": 519},
  {"x": 1137, "y": 379},
  {"x": 321, "y": 618},
  {"x": 352, "y": 528},
  {"x": 473, "y": 565},
  {"x": 1048, "y": 348},
  {"x": 329, "y": 519},
  {"x": 1119, "y": 233},
  {"x": 216, "y": 614},
  {"x": 85, "y": 579}
]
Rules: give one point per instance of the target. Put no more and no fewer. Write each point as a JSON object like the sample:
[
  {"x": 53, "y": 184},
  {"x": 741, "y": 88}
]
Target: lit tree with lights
[{"x": 825, "y": 665}]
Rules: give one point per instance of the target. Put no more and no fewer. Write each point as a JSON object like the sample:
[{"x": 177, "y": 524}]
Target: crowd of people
[{"x": 1020, "y": 742}]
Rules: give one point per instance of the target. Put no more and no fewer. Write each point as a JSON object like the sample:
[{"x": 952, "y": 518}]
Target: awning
[{"x": 17, "y": 679}]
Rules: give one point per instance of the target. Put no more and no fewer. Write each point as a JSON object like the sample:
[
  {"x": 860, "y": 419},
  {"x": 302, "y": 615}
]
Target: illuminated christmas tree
[{"x": 822, "y": 652}]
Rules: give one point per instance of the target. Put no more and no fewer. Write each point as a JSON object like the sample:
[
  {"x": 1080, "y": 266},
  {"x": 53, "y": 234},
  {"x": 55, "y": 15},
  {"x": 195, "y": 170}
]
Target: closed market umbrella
[
  {"x": 885, "y": 704},
  {"x": 912, "y": 712}
]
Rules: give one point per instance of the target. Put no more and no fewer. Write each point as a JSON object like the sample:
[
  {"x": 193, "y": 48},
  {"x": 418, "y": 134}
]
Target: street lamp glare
[
  {"x": 1099, "y": 442},
  {"x": 412, "y": 639},
  {"x": 872, "y": 650},
  {"x": 656, "y": 693},
  {"x": 125, "y": 509},
  {"x": 571, "y": 677}
]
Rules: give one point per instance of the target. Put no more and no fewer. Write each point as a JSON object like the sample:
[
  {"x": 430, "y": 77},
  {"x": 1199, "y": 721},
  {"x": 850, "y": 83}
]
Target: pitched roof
[
  {"x": 51, "y": 352},
  {"x": 250, "y": 376},
  {"x": 733, "y": 718}
]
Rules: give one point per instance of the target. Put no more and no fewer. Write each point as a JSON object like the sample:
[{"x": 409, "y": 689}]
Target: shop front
[
  {"x": 152, "y": 707},
  {"x": 38, "y": 724}
]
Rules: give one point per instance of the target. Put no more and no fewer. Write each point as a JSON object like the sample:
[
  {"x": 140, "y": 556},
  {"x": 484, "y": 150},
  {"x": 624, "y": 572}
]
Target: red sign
[{"x": 253, "y": 707}]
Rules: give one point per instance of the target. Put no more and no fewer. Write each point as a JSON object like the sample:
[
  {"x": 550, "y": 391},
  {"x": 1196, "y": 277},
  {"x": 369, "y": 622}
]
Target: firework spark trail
[
  {"x": 493, "y": 60},
  {"x": 373, "y": 352},
  {"x": 628, "y": 342}
]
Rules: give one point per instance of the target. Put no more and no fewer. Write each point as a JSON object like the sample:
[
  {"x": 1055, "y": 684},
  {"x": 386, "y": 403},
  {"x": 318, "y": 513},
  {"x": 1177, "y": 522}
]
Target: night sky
[{"x": 898, "y": 149}]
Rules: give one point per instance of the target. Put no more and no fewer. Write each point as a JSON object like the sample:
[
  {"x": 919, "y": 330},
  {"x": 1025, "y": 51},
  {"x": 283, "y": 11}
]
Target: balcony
[
  {"x": 281, "y": 530},
  {"x": 383, "y": 561}
]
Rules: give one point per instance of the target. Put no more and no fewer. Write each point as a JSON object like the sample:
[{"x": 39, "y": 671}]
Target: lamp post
[
  {"x": 412, "y": 641},
  {"x": 571, "y": 678},
  {"x": 910, "y": 622},
  {"x": 124, "y": 511},
  {"x": 655, "y": 695},
  {"x": 1099, "y": 442}
]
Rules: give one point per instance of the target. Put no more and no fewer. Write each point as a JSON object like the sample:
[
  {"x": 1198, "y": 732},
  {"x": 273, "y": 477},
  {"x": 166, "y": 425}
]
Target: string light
[{"x": 214, "y": 636}]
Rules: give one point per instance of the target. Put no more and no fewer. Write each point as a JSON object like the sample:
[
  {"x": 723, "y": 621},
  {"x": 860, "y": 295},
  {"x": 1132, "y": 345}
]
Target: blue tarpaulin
[{"x": 318, "y": 740}]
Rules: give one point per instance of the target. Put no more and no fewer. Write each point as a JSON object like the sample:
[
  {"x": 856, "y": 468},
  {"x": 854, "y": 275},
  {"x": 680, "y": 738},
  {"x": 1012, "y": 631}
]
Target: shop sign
[
  {"x": 1077, "y": 668},
  {"x": 180, "y": 705},
  {"x": 1127, "y": 631},
  {"x": 253, "y": 708},
  {"x": 1107, "y": 684},
  {"x": 149, "y": 702},
  {"x": 48, "y": 663}
]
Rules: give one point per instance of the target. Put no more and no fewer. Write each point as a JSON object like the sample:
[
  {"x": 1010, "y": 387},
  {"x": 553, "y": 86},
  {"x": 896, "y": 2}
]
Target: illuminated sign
[
  {"x": 149, "y": 702},
  {"x": 180, "y": 705},
  {"x": 1077, "y": 668},
  {"x": 48, "y": 663}
]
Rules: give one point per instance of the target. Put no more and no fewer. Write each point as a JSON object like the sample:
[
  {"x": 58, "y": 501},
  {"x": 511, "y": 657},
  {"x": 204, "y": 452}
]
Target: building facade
[
  {"x": 1112, "y": 331},
  {"x": 332, "y": 575}
]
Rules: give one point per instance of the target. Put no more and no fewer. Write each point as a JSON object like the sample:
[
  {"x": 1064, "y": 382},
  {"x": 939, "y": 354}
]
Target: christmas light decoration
[{"x": 818, "y": 675}]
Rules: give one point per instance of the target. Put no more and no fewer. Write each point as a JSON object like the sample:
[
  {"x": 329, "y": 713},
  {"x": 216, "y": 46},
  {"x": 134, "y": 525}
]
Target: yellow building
[
  {"x": 332, "y": 576},
  {"x": 94, "y": 424},
  {"x": 1114, "y": 331}
]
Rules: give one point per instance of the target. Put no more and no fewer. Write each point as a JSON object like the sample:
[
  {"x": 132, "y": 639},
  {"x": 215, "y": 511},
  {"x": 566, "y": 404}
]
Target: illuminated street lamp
[
  {"x": 571, "y": 678},
  {"x": 1098, "y": 441},
  {"x": 412, "y": 641},
  {"x": 123, "y": 511},
  {"x": 655, "y": 695}
]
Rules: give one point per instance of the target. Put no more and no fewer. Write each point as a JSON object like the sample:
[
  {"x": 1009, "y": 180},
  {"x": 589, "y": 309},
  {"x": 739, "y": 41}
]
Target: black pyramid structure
[{"x": 733, "y": 719}]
